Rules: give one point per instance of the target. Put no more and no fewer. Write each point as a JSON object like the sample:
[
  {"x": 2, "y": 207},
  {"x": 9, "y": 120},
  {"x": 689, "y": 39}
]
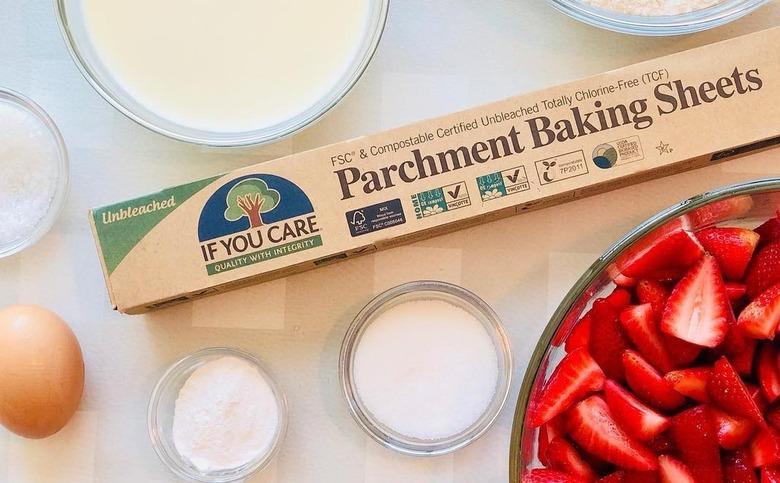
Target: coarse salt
[
  {"x": 649, "y": 8},
  {"x": 29, "y": 160},
  {"x": 427, "y": 369},
  {"x": 225, "y": 416}
]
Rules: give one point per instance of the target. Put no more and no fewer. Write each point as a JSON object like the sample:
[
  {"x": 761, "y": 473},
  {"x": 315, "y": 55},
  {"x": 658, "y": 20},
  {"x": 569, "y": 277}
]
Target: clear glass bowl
[
  {"x": 63, "y": 174},
  {"x": 88, "y": 61},
  {"x": 746, "y": 204},
  {"x": 425, "y": 290},
  {"x": 686, "y": 23},
  {"x": 161, "y": 411}
]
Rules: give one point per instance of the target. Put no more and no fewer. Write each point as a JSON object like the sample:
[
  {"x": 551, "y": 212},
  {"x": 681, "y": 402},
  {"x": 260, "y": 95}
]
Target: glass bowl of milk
[{"x": 222, "y": 74}]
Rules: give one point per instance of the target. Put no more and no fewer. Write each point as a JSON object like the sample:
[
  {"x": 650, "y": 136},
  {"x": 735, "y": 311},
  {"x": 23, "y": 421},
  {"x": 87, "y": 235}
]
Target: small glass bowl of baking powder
[
  {"x": 162, "y": 407},
  {"x": 35, "y": 173},
  {"x": 425, "y": 368}
]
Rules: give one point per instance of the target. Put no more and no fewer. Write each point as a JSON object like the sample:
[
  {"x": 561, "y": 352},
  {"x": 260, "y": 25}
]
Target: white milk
[{"x": 226, "y": 66}]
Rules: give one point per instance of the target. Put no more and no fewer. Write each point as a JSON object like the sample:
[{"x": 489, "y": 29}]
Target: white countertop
[{"x": 436, "y": 56}]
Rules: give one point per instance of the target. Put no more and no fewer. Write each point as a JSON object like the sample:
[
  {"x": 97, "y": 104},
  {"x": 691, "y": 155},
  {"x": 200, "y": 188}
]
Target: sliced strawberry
[
  {"x": 661, "y": 257},
  {"x": 543, "y": 475},
  {"x": 733, "y": 432},
  {"x": 654, "y": 293},
  {"x": 580, "y": 334},
  {"x": 695, "y": 437},
  {"x": 607, "y": 340},
  {"x": 619, "y": 279},
  {"x": 764, "y": 270},
  {"x": 619, "y": 299},
  {"x": 761, "y": 318},
  {"x": 769, "y": 231},
  {"x": 738, "y": 469},
  {"x": 662, "y": 444},
  {"x": 576, "y": 376},
  {"x": 765, "y": 447},
  {"x": 731, "y": 247},
  {"x": 698, "y": 310},
  {"x": 638, "y": 420},
  {"x": 673, "y": 471},
  {"x": 563, "y": 457},
  {"x": 729, "y": 392},
  {"x": 593, "y": 428},
  {"x": 548, "y": 432},
  {"x": 740, "y": 350},
  {"x": 682, "y": 353},
  {"x": 768, "y": 376},
  {"x": 615, "y": 477},
  {"x": 648, "y": 384},
  {"x": 735, "y": 291},
  {"x": 691, "y": 382},
  {"x": 639, "y": 323},
  {"x": 770, "y": 475}
]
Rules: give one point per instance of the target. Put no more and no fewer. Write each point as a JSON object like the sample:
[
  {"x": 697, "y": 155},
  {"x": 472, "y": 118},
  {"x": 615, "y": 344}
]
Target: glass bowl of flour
[
  {"x": 217, "y": 416},
  {"x": 35, "y": 173},
  {"x": 657, "y": 17}
]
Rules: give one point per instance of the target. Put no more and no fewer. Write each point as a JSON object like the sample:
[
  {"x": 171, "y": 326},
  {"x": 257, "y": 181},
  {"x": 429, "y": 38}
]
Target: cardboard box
[{"x": 313, "y": 208}]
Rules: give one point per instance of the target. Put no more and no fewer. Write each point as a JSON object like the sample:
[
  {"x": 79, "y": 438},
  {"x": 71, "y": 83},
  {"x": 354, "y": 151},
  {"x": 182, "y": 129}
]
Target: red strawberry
[
  {"x": 648, "y": 384},
  {"x": 543, "y": 475},
  {"x": 691, "y": 382},
  {"x": 607, "y": 340},
  {"x": 593, "y": 428},
  {"x": 682, "y": 353},
  {"x": 662, "y": 444},
  {"x": 740, "y": 350},
  {"x": 562, "y": 456},
  {"x": 698, "y": 310},
  {"x": 618, "y": 278},
  {"x": 738, "y": 469},
  {"x": 735, "y": 291},
  {"x": 764, "y": 270},
  {"x": 619, "y": 299},
  {"x": 729, "y": 392},
  {"x": 768, "y": 376},
  {"x": 639, "y": 323},
  {"x": 733, "y": 432},
  {"x": 770, "y": 475},
  {"x": 731, "y": 247},
  {"x": 654, "y": 293},
  {"x": 674, "y": 471},
  {"x": 761, "y": 318},
  {"x": 695, "y": 437},
  {"x": 638, "y": 420},
  {"x": 580, "y": 334},
  {"x": 548, "y": 432},
  {"x": 665, "y": 256},
  {"x": 616, "y": 477},
  {"x": 575, "y": 377},
  {"x": 765, "y": 447},
  {"x": 769, "y": 230}
]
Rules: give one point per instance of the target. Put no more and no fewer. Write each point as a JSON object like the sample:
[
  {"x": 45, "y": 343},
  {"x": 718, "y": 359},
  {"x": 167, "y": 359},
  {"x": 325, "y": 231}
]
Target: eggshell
[{"x": 42, "y": 371}]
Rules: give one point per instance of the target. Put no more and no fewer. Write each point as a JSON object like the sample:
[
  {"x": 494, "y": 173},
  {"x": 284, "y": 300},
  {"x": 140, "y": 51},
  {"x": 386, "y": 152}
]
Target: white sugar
[
  {"x": 28, "y": 171},
  {"x": 650, "y": 8},
  {"x": 426, "y": 369}
]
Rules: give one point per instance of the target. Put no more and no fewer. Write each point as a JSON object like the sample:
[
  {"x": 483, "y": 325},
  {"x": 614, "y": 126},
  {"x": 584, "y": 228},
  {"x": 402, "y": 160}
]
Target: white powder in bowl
[
  {"x": 426, "y": 369},
  {"x": 226, "y": 415},
  {"x": 29, "y": 170},
  {"x": 649, "y": 8}
]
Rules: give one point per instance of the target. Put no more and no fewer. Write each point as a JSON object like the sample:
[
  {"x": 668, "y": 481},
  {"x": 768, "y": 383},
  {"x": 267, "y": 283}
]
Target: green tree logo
[{"x": 251, "y": 197}]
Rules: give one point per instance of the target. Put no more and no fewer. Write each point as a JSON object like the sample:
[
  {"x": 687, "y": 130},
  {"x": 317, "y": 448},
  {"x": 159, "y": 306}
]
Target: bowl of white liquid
[
  {"x": 222, "y": 73},
  {"x": 425, "y": 368}
]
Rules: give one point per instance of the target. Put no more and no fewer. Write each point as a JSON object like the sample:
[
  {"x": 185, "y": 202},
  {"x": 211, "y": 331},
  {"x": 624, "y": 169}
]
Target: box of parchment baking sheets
[{"x": 318, "y": 207}]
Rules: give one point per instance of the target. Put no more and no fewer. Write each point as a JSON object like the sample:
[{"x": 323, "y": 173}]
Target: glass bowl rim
[
  {"x": 599, "y": 266},
  {"x": 368, "y": 47},
  {"x": 660, "y": 25},
  {"x": 60, "y": 195},
  {"x": 454, "y": 442},
  {"x": 154, "y": 429}
]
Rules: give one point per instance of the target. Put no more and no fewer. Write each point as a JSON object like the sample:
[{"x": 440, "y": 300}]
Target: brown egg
[{"x": 41, "y": 371}]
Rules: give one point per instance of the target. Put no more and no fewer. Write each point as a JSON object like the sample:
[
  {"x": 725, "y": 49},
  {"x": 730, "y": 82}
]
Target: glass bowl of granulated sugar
[
  {"x": 217, "y": 416},
  {"x": 657, "y": 17},
  {"x": 33, "y": 172}
]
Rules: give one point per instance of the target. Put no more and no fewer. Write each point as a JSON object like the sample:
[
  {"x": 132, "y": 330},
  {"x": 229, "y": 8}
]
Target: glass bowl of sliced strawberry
[{"x": 661, "y": 365}]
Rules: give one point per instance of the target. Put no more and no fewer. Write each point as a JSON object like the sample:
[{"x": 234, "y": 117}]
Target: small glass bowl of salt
[
  {"x": 217, "y": 416},
  {"x": 33, "y": 172},
  {"x": 425, "y": 368}
]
